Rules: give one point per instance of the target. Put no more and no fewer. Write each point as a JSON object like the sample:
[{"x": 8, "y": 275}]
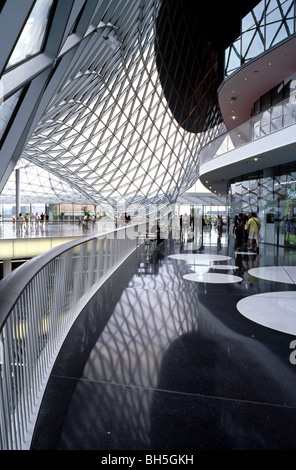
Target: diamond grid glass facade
[
  {"x": 115, "y": 100},
  {"x": 107, "y": 130},
  {"x": 265, "y": 26},
  {"x": 104, "y": 122},
  {"x": 113, "y": 135},
  {"x": 39, "y": 185}
]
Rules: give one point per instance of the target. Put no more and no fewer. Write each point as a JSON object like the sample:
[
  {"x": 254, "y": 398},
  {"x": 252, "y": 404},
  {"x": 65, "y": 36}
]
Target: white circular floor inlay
[
  {"x": 275, "y": 310},
  {"x": 212, "y": 278},
  {"x": 199, "y": 258},
  {"x": 276, "y": 273}
]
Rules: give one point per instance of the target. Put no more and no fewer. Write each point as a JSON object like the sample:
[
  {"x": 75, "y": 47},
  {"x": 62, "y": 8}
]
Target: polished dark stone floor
[{"x": 156, "y": 362}]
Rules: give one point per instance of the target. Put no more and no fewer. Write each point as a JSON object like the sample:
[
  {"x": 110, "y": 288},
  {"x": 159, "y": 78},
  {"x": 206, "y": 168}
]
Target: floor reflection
[
  {"x": 38, "y": 229},
  {"x": 159, "y": 362}
]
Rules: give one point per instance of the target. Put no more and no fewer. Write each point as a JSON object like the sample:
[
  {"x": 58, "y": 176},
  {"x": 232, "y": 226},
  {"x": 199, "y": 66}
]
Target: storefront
[{"x": 271, "y": 194}]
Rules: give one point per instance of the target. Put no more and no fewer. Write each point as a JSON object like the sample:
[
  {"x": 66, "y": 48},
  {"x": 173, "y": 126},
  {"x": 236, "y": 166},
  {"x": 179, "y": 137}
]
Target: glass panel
[
  {"x": 275, "y": 33},
  {"x": 31, "y": 39},
  {"x": 256, "y": 45},
  {"x": 247, "y": 39},
  {"x": 272, "y": 12},
  {"x": 276, "y": 118},
  {"x": 233, "y": 57},
  {"x": 254, "y": 18},
  {"x": 287, "y": 7},
  {"x": 6, "y": 110}
]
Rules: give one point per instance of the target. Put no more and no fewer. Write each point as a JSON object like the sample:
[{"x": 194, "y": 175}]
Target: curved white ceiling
[{"x": 107, "y": 129}]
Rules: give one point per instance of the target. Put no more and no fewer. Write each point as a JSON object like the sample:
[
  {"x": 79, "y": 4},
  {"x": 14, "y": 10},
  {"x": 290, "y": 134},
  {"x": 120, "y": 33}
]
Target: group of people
[
  {"x": 247, "y": 228},
  {"x": 30, "y": 217}
]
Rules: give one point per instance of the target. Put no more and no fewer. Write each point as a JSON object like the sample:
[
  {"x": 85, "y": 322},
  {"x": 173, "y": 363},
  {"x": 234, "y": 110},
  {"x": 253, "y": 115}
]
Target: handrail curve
[{"x": 39, "y": 303}]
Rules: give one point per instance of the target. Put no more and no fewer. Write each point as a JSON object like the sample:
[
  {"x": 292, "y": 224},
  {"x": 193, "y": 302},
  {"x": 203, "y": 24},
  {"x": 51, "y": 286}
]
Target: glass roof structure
[
  {"x": 38, "y": 185},
  {"x": 83, "y": 102}
]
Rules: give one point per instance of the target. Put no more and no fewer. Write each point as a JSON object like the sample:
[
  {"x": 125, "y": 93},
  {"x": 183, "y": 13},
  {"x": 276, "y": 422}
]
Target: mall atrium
[{"x": 135, "y": 312}]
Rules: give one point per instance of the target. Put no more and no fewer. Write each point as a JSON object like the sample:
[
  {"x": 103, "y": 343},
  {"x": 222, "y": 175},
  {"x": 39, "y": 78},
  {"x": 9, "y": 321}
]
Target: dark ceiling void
[{"x": 190, "y": 43}]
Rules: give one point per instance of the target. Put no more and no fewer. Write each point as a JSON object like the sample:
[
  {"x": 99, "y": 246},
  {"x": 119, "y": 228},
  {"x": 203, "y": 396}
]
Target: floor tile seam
[{"x": 176, "y": 392}]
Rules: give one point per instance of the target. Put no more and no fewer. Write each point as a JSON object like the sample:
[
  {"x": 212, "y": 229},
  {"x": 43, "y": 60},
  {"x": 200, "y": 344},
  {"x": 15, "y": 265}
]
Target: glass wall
[
  {"x": 268, "y": 24},
  {"x": 272, "y": 195},
  {"x": 202, "y": 217},
  {"x": 56, "y": 212}
]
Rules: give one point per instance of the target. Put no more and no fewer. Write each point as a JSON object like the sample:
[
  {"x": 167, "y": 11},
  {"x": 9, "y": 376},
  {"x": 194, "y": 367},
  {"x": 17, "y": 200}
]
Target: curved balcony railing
[
  {"x": 273, "y": 119},
  {"x": 39, "y": 302}
]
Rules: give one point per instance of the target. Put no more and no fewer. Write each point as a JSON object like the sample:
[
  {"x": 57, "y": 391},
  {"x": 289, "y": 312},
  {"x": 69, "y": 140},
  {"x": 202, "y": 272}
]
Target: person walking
[
  {"x": 219, "y": 225},
  {"x": 254, "y": 226},
  {"x": 238, "y": 230}
]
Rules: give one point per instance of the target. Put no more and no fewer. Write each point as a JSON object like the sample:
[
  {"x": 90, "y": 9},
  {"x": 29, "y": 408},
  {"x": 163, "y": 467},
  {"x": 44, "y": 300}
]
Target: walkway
[
  {"x": 159, "y": 360},
  {"x": 10, "y": 230},
  {"x": 22, "y": 241}
]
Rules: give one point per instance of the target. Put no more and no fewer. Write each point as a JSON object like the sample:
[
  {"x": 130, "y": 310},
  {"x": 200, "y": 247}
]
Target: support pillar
[
  {"x": 17, "y": 192},
  {"x": 6, "y": 267}
]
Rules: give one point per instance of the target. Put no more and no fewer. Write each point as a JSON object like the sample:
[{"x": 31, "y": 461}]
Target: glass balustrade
[{"x": 271, "y": 120}]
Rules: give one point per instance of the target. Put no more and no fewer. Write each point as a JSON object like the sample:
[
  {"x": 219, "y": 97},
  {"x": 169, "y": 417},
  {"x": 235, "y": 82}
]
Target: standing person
[
  {"x": 185, "y": 225},
  {"x": 254, "y": 226},
  {"x": 156, "y": 229},
  {"x": 288, "y": 225},
  {"x": 238, "y": 230},
  {"x": 219, "y": 225},
  {"x": 246, "y": 232}
]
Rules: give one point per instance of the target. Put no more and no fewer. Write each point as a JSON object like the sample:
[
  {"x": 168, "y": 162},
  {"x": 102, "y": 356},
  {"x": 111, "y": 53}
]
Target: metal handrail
[{"x": 39, "y": 303}]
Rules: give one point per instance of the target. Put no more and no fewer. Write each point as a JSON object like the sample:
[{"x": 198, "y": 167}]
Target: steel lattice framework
[
  {"x": 90, "y": 96},
  {"x": 107, "y": 129}
]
